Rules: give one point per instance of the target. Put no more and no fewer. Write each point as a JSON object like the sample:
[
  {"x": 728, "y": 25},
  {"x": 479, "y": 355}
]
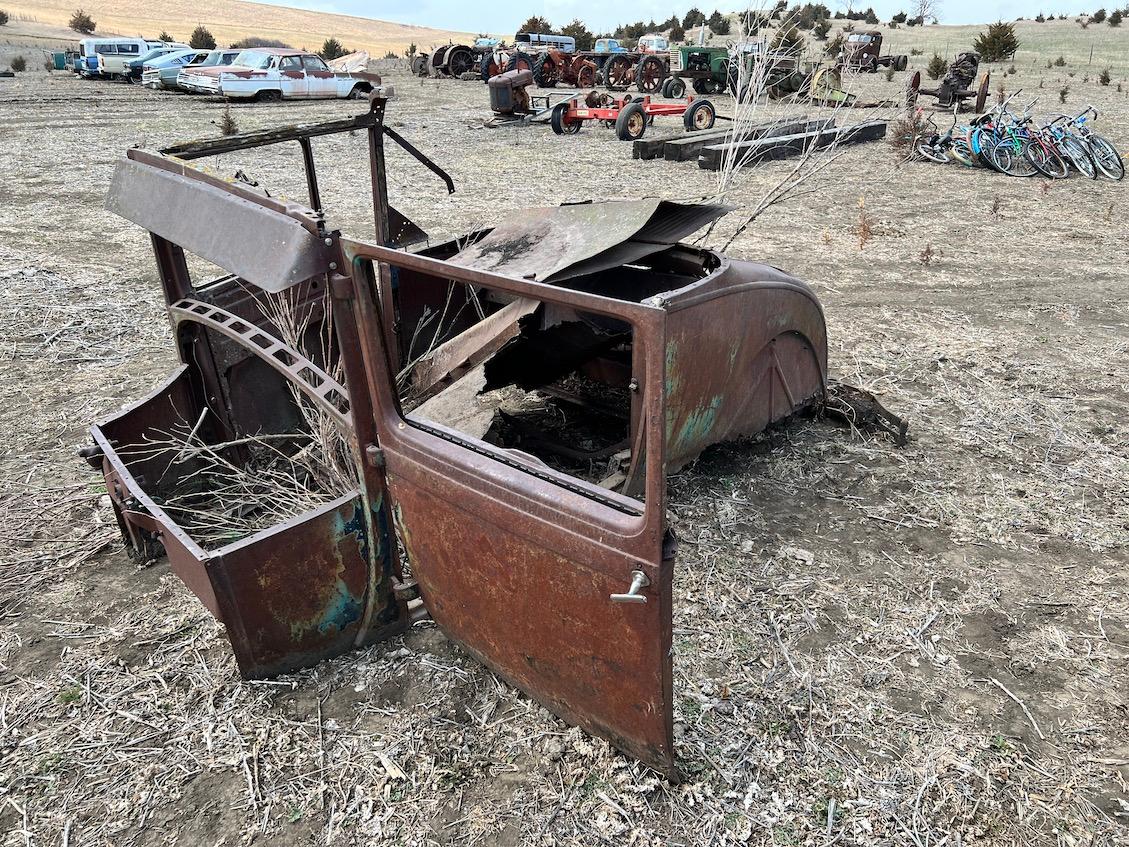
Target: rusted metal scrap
[{"x": 560, "y": 584}]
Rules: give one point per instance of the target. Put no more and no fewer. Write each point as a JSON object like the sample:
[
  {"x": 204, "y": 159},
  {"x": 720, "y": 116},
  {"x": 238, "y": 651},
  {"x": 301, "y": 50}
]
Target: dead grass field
[
  {"x": 873, "y": 645},
  {"x": 231, "y": 20}
]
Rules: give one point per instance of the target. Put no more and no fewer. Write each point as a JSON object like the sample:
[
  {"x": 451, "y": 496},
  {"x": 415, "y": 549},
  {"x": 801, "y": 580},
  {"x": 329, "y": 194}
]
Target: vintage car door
[
  {"x": 560, "y": 586},
  {"x": 321, "y": 80},
  {"x": 292, "y": 78}
]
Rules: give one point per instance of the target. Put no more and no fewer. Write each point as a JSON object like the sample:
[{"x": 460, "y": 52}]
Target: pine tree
[
  {"x": 202, "y": 39},
  {"x": 998, "y": 43}
]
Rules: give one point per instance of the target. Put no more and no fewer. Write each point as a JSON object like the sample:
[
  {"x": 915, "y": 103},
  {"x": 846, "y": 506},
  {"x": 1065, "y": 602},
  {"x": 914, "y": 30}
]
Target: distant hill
[{"x": 227, "y": 20}]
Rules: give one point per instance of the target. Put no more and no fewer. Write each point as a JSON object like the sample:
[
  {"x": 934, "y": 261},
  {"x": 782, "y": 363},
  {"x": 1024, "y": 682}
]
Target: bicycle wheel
[
  {"x": 985, "y": 144},
  {"x": 933, "y": 152},
  {"x": 1008, "y": 160},
  {"x": 968, "y": 139},
  {"x": 959, "y": 151},
  {"x": 1078, "y": 154},
  {"x": 1045, "y": 159},
  {"x": 1106, "y": 158}
]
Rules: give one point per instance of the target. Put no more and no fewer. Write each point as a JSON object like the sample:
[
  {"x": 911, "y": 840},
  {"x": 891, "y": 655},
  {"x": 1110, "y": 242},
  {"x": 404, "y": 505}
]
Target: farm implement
[
  {"x": 955, "y": 87},
  {"x": 443, "y": 373},
  {"x": 630, "y": 117}
]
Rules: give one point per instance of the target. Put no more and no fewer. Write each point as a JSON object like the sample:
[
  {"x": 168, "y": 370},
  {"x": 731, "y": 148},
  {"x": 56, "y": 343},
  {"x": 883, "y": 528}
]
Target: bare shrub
[
  {"x": 864, "y": 225},
  {"x": 227, "y": 123},
  {"x": 907, "y": 131},
  {"x": 19, "y": 64}
]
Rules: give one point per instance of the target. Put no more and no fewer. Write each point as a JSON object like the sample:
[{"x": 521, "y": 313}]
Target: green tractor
[
  {"x": 707, "y": 68},
  {"x": 712, "y": 70}
]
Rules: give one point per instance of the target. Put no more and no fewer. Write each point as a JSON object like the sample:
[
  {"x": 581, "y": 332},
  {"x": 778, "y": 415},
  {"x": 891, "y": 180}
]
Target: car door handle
[{"x": 639, "y": 581}]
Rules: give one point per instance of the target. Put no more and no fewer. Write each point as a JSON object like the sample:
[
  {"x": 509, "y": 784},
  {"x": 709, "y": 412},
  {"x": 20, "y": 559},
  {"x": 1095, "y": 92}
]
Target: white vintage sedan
[{"x": 267, "y": 73}]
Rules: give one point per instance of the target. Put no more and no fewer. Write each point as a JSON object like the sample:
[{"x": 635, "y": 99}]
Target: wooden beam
[
  {"x": 688, "y": 147},
  {"x": 759, "y": 150}
]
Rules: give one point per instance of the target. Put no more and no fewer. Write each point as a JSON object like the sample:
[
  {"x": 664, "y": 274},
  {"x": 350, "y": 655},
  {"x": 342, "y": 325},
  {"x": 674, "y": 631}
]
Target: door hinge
[{"x": 374, "y": 456}]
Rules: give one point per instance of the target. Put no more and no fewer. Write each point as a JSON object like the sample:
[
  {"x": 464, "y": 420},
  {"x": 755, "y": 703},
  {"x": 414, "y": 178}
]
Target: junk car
[
  {"x": 161, "y": 73},
  {"x": 191, "y": 80},
  {"x": 511, "y": 403},
  {"x": 132, "y": 70},
  {"x": 267, "y": 73}
]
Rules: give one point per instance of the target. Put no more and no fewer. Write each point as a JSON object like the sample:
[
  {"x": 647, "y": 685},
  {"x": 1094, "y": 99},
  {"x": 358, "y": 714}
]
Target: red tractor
[
  {"x": 646, "y": 73},
  {"x": 555, "y": 66}
]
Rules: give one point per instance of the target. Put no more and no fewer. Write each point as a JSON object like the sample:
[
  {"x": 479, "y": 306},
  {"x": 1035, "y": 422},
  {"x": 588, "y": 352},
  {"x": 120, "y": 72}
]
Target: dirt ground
[{"x": 873, "y": 645}]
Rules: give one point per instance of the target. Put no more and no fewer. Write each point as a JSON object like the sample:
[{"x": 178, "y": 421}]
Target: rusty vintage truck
[{"x": 542, "y": 548}]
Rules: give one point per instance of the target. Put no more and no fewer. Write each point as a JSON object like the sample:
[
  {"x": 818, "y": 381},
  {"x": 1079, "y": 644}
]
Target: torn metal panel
[{"x": 560, "y": 242}]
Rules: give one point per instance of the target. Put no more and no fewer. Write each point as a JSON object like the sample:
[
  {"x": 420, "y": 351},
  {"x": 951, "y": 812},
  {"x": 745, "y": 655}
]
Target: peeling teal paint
[
  {"x": 341, "y": 611},
  {"x": 673, "y": 380},
  {"x": 699, "y": 424}
]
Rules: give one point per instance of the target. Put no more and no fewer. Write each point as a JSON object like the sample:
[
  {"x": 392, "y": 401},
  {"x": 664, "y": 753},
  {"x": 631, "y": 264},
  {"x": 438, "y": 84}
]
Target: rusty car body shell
[{"x": 516, "y": 561}]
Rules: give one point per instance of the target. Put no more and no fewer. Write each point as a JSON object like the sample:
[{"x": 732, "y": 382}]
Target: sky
[{"x": 505, "y": 17}]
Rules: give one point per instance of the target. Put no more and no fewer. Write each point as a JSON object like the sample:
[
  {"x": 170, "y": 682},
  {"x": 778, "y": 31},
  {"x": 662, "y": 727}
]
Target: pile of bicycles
[{"x": 1013, "y": 144}]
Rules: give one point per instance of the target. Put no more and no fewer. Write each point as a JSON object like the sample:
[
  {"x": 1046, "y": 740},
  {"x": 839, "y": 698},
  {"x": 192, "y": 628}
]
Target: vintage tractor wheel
[
  {"x": 459, "y": 60},
  {"x": 488, "y": 67},
  {"x": 913, "y": 86},
  {"x": 902, "y": 63},
  {"x": 546, "y": 73},
  {"x": 631, "y": 123},
  {"x": 435, "y": 62},
  {"x": 676, "y": 88},
  {"x": 586, "y": 75},
  {"x": 560, "y": 123},
  {"x": 519, "y": 62},
  {"x": 982, "y": 93},
  {"x": 419, "y": 64},
  {"x": 650, "y": 74},
  {"x": 616, "y": 72},
  {"x": 699, "y": 86},
  {"x": 712, "y": 86},
  {"x": 701, "y": 115}
]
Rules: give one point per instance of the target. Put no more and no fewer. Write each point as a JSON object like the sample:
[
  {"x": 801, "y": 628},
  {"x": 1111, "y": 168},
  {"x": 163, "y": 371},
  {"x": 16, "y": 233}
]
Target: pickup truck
[
  {"x": 115, "y": 63},
  {"x": 278, "y": 74}
]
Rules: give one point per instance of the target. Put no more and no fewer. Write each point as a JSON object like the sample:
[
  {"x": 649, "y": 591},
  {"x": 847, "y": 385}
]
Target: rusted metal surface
[
  {"x": 288, "y": 596},
  {"x": 560, "y": 585},
  {"x": 745, "y": 347},
  {"x": 317, "y": 386},
  {"x": 518, "y": 562}
]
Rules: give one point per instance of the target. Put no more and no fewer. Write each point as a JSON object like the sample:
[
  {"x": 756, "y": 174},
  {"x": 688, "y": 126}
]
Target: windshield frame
[{"x": 253, "y": 59}]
